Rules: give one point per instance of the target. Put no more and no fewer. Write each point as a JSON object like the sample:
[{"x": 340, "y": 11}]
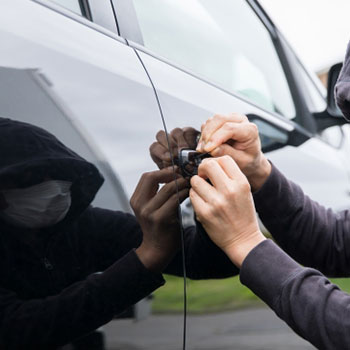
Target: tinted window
[{"x": 223, "y": 41}]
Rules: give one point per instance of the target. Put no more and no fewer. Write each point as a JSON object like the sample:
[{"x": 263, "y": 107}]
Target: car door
[
  {"x": 202, "y": 62},
  {"x": 91, "y": 77},
  {"x": 79, "y": 80}
]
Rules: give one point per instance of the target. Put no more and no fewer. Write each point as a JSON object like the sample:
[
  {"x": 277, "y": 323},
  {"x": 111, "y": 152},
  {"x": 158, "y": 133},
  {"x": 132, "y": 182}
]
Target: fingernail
[{"x": 199, "y": 146}]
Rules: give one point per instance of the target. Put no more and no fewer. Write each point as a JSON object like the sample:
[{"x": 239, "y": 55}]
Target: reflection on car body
[{"x": 91, "y": 72}]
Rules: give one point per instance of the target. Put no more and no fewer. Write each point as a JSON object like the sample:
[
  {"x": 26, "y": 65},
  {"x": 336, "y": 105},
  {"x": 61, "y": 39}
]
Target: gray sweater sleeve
[
  {"x": 311, "y": 305},
  {"x": 313, "y": 235}
]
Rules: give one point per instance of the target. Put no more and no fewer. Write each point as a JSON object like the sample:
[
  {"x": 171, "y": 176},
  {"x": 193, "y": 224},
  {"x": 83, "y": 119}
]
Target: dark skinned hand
[
  {"x": 157, "y": 213},
  {"x": 178, "y": 139}
]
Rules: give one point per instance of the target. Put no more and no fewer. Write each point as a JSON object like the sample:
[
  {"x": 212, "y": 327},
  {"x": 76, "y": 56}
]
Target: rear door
[
  {"x": 63, "y": 72},
  {"x": 80, "y": 81}
]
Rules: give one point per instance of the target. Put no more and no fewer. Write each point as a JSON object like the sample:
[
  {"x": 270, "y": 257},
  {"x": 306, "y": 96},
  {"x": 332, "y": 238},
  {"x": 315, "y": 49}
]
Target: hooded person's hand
[
  {"x": 178, "y": 139},
  {"x": 157, "y": 213},
  {"x": 235, "y": 136},
  {"x": 225, "y": 207}
]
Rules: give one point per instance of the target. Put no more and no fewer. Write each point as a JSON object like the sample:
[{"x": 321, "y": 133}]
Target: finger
[
  {"x": 163, "y": 140},
  {"x": 212, "y": 170},
  {"x": 160, "y": 154},
  {"x": 169, "y": 208},
  {"x": 199, "y": 205},
  {"x": 166, "y": 192},
  {"x": 230, "y": 168},
  {"x": 215, "y": 123},
  {"x": 148, "y": 185},
  {"x": 191, "y": 135},
  {"x": 239, "y": 132},
  {"x": 206, "y": 191},
  {"x": 178, "y": 135},
  {"x": 227, "y": 150}
]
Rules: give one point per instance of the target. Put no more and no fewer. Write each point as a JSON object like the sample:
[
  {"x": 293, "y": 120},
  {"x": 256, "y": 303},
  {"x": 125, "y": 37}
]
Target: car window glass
[
  {"x": 222, "y": 41},
  {"x": 312, "y": 88},
  {"x": 72, "y": 5},
  {"x": 270, "y": 136}
]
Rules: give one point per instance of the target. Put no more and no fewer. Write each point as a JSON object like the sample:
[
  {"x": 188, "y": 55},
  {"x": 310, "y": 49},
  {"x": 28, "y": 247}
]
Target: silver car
[{"x": 101, "y": 75}]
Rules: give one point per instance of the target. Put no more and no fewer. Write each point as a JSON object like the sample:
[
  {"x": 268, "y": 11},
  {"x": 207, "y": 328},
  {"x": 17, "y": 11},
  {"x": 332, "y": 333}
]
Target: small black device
[{"x": 189, "y": 160}]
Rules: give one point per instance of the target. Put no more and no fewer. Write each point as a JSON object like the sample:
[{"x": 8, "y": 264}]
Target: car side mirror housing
[
  {"x": 273, "y": 136},
  {"x": 332, "y": 116},
  {"x": 332, "y": 107}
]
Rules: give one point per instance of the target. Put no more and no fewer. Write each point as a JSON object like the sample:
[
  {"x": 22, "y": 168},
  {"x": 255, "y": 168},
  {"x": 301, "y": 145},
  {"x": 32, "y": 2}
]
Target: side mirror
[
  {"x": 275, "y": 136},
  {"x": 332, "y": 115},
  {"x": 332, "y": 107}
]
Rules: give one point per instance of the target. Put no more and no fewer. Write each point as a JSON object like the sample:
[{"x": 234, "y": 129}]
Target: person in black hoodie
[{"x": 53, "y": 242}]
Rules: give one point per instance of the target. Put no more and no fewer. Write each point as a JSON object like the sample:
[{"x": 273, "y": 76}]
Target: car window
[
  {"x": 73, "y": 5},
  {"x": 312, "y": 88},
  {"x": 223, "y": 41}
]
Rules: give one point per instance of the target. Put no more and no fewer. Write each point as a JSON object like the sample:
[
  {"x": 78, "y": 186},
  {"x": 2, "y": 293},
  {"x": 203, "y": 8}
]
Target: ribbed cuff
[
  {"x": 266, "y": 269},
  {"x": 277, "y": 192}
]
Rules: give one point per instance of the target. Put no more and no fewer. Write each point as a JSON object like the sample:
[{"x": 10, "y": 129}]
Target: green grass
[
  {"x": 210, "y": 295},
  {"x": 203, "y": 296}
]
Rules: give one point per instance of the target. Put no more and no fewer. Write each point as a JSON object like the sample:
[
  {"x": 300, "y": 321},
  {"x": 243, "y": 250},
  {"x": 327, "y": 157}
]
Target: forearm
[
  {"x": 311, "y": 234},
  {"x": 311, "y": 305},
  {"x": 77, "y": 310}
]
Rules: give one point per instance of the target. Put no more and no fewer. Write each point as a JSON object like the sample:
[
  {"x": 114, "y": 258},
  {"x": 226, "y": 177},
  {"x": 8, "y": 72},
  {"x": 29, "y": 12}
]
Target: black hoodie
[{"x": 50, "y": 293}]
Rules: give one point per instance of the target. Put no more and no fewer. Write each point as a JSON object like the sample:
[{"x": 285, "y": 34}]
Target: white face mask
[{"x": 38, "y": 206}]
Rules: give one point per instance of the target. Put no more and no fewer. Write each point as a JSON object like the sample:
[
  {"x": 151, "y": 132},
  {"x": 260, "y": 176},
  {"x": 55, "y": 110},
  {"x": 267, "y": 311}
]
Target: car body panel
[
  {"x": 98, "y": 80},
  {"x": 189, "y": 101}
]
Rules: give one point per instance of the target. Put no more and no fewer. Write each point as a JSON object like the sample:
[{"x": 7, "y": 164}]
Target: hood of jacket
[{"x": 29, "y": 153}]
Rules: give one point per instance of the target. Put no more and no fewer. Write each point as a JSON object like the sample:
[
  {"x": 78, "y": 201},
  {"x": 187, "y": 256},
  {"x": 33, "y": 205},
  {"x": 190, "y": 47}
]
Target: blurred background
[{"x": 318, "y": 30}]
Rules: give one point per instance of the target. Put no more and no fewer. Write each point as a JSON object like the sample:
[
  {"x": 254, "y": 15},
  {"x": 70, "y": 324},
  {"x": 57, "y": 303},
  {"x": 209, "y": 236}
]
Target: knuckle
[
  {"x": 160, "y": 133},
  {"x": 245, "y": 186},
  {"x": 147, "y": 175},
  {"x": 226, "y": 158},
  {"x": 254, "y": 128},
  {"x": 231, "y": 193},
  {"x": 154, "y": 147},
  {"x": 218, "y": 116},
  {"x": 228, "y": 126},
  {"x": 218, "y": 204},
  {"x": 133, "y": 203},
  {"x": 152, "y": 217},
  {"x": 210, "y": 162},
  {"x": 169, "y": 189},
  {"x": 217, "y": 152},
  {"x": 193, "y": 182},
  {"x": 239, "y": 117},
  {"x": 176, "y": 132},
  {"x": 144, "y": 213}
]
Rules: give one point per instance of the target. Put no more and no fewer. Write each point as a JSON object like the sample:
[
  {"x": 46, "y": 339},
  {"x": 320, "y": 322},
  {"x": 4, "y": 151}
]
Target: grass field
[{"x": 210, "y": 295}]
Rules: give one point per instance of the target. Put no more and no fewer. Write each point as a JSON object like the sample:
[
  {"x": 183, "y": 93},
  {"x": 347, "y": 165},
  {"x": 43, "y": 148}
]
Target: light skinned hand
[
  {"x": 225, "y": 207},
  {"x": 157, "y": 213},
  {"x": 235, "y": 136}
]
